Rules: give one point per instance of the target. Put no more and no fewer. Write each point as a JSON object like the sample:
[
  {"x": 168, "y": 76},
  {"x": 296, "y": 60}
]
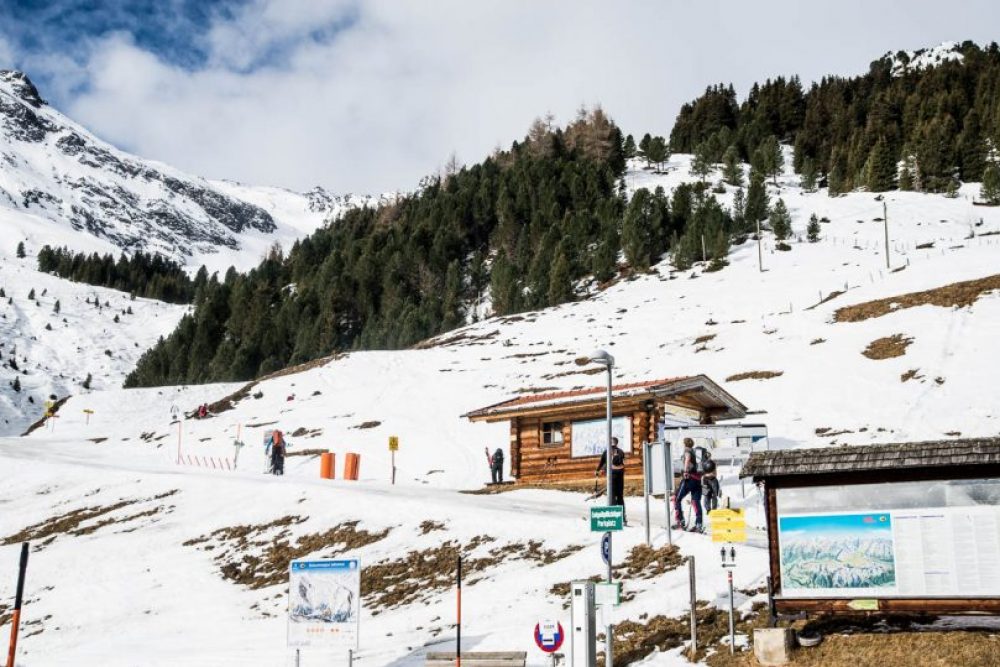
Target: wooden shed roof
[
  {"x": 864, "y": 458},
  {"x": 699, "y": 389}
]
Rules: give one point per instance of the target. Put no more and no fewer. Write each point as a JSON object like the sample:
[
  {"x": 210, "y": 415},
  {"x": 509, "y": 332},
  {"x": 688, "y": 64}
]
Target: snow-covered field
[{"x": 120, "y": 597}]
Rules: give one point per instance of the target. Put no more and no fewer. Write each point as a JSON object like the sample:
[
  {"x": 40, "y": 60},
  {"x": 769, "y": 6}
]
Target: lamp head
[{"x": 600, "y": 357}]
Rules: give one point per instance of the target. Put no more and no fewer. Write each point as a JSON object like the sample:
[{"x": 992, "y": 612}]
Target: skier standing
[
  {"x": 691, "y": 483},
  {"x": 496, "y": 466},
  {"x": 617, "y": 476}
]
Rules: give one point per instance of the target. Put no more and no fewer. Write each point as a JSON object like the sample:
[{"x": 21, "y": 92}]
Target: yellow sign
[
  {"x": 728, "y": 525},
  {"x": 729, "y": 535},
  {"x": 863, "y": 605},
  {"x": 393, "y": 443},
  {"x": 88, "y": 411}
]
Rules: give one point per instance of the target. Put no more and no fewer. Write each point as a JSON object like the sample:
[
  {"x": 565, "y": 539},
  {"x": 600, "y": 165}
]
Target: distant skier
[
  {"x": 617, "y": 476},
  {"x": 710, "y": 490},
  {"x": 691, "y": 464},
  {"x": 496, "y": 465},
  {"x": 278, "y": 446}
]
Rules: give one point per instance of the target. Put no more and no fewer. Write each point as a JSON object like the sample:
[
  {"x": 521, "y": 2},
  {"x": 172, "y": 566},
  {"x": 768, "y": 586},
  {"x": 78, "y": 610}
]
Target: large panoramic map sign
[{"x": 913, "y": 552}]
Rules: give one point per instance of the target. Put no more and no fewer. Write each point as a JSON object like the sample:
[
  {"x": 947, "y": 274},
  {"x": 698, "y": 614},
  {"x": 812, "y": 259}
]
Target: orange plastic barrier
[
  {"x": 326, "y": 461},
  {"x": 352, "y": 463}
]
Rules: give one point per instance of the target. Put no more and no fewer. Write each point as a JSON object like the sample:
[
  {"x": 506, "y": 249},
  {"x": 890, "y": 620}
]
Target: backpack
[
  {"x": 700, "y": 456},
  {"x": 498, "y": 457}
]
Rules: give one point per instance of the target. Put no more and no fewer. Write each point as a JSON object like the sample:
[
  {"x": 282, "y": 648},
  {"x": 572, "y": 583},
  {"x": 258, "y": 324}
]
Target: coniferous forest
[
  {"x": 527, "y": 225},
  {"x": 146, "y": 275},
  {"x": 941, "y": 123}
]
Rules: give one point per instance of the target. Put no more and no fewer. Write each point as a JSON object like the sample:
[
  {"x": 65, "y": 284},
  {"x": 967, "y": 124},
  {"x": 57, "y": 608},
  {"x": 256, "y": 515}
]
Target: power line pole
[
  {"x": 760, "y": 254},
  {"x": 885, "y": 221}
]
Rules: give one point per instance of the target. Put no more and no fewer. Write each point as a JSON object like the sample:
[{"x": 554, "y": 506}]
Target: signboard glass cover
[
  {"x": 908, "y": 539},
  {"x": 324, "y": 603},
  {"x": 590, "y": 438}
]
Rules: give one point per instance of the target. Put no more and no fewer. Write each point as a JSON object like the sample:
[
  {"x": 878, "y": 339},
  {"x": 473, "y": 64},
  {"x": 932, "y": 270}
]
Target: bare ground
[
  {"x": 755, "y": 375},
  {"x": 888, "y": 347},
  {"x": 955, "y": 295}
]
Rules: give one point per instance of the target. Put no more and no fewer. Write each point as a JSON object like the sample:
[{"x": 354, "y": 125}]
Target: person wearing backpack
[
  {"x": 691, "y": 465},
  {"x": 496, "y": 466},
  {"x": 617, "y": 476},
  {"x": 277, "y": 453},
  {"x": 710, "y": 490}
]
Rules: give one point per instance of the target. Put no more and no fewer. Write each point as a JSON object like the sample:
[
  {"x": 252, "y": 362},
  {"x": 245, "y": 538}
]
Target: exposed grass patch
[
  {"x": 642, "y": 562},
  {"x": 701, "y": 340},
  {"x": 888, "y": 347},
  {"x": 257, "y": 556},
  {"x": 755, "y": 375},
  {"x": 955, "y": 295},
  {"x": 910, "y": 375},
  {"x": 429, "y": 526},
  {"x": 77, "y": 522},
  {"x": 368, "y": 424},
  {"x": 305, "y": 452}
]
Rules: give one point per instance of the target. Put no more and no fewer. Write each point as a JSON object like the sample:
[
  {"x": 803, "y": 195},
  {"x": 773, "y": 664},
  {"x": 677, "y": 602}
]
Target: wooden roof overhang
[
  {"x": 933, "y": 459},
  {"x": 698, "y": 392}
]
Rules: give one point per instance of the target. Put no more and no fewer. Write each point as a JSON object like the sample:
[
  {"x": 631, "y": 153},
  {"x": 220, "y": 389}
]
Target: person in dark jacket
[
  {"x": 690, "y": 484},
  {"x": 617, "y": 476},
  {"x": 709, "y": 483},
  {"x": 496, "y": 466}
]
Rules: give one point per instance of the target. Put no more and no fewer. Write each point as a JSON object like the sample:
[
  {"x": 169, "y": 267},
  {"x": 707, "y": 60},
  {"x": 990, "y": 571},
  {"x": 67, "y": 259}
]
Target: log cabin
[{"x": 559, "y": 437}]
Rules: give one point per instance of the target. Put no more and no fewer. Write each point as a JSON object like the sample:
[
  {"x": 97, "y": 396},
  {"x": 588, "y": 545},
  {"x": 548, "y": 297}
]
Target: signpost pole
[
  {"x": 668, "y": 485},
  {"x": 15, "y": 620},
  {"x": 732, "y": 629},
  {"x": 694, "y": 618},
  {"x": 394, "y": 466},
  {"x": 458, "y": 633},
  {"x": 646, "y": 449},
  {"x": 297, "y": 658},
  {"x": 350, "y": 657}
]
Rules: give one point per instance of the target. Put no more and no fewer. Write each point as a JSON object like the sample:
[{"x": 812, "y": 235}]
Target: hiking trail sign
[
  {"x": 728, "y": 525},
  {"x": 607, "y": 518}
]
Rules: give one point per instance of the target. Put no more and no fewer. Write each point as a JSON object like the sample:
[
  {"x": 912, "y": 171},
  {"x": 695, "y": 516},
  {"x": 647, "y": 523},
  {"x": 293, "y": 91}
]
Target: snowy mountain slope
[
  {"x": 52, "y": 353},
  {"x": 723, "y": 324},
  {"x": 59, "y": 184},
  {"x": 910, "y": 61}
]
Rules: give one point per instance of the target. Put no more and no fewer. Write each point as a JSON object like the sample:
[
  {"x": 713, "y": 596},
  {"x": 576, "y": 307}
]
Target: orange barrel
[
  {"x": 326, "y": 461},
  {"x": 351, "y": 466}
]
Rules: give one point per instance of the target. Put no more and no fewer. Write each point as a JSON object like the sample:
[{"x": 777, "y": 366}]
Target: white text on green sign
[{"x": 603, "y": 519}]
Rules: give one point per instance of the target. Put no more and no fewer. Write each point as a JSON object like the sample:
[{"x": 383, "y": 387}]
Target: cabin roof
[
  {"x": 703, "y": 391},
  {"x": 864, "y": 458}
]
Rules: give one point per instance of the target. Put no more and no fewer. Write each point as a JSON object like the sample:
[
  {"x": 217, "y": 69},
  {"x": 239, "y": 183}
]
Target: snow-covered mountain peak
[{"x": 19, "y": 85}]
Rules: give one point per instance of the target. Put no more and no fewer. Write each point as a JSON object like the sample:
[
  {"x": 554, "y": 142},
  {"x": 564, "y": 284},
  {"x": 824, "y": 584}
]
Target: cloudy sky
[{"x": 368, "y": 96}]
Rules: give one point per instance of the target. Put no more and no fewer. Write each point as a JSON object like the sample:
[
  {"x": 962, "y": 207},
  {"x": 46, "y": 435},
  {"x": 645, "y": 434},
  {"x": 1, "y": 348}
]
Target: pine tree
[
  {"x": 56, "y": 307},
  {"x": 86, "y": 383},
  {"x": 657, "y": 152},
  {"x": 773, "y": 159},
  {"x": 629, "y": 148},
  {"x": 116, "y": 318},
  {"x": 781, "y": 221},
  {"x": 3, "y": 295},
  {"x": 732, "y": 169},
  {"x": 808, "y": 174},
  {"x": 990, "y": 191},
  {"x": 701, "y": 164},
  {"x": 644, "y": 146},
  {"x": 31, "y": 294},
  {"x": 738, "y": 212},
  {"x": 951, "y": 188},
  {"x": 905, "y": 177},
  {"x": 880, "y": 170},
  {"x": 812, "y": 230},
  {"x": 757, "y": 200},
  {"x": 17, "y": 384},
  {"x": 20, "y": 250},
  {"x": 560, "y": 283}
]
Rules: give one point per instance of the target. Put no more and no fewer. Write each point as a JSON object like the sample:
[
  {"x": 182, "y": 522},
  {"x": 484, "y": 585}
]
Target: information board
[
  {"x": 590, "y": 438},
  {"x": 911, "y": 552},
  {"x": 324, "y": 603}
]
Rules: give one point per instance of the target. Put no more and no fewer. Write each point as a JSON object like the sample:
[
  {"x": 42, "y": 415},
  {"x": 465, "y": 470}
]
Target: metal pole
[
  {"x": 694, "y": 618},
  {"x": 608, "y": 638},
  {"x": 458, "y": 634},
  {"x": 668, "y": 485},
  {"x": 180, "y": 423},
  {"x": 350, "y": 657},
  {"x": 15, "y": 620},
  {"x": 760, "y": 253},
  {"x": 297, "y": 658},
  {"x": 394, "y": 467},
  {"x": 732, "y": 629},
  {"x": 646, "y": 448},
  {"x": 885, "y": 220}
]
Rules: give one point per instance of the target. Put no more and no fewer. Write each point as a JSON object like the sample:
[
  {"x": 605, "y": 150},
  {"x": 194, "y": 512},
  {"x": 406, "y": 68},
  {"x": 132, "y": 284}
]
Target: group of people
[{"x": 700, "y": 480}]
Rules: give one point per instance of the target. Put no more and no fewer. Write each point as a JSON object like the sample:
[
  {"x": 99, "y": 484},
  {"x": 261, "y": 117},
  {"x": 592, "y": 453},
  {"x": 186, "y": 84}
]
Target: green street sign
[{"x": 603, "y": 519}]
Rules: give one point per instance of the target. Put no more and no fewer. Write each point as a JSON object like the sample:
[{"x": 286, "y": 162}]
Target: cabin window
[{"x": 552, "y": 434}]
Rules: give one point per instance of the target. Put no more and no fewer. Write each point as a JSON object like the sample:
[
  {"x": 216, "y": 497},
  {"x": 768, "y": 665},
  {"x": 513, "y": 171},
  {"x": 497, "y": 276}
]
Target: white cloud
[{"x": 388, "y": 97}]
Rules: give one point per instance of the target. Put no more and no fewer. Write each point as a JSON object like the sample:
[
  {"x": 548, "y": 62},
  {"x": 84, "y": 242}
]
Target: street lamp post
[{"x": 602, "y": 358}]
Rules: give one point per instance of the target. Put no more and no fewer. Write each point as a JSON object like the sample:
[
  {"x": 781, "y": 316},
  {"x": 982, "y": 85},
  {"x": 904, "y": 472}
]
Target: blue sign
[
  {"x": 325, "y": 564},
  {"x": 606, "y": 548}
]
